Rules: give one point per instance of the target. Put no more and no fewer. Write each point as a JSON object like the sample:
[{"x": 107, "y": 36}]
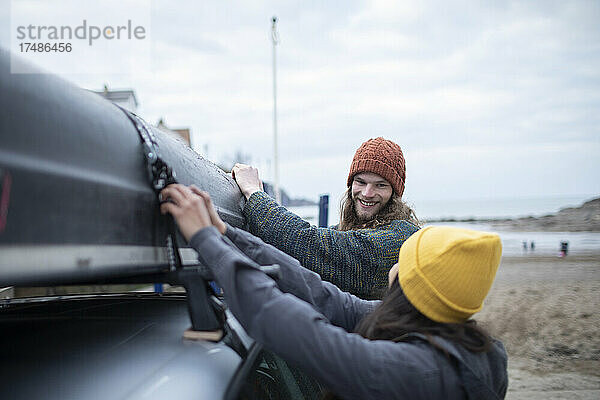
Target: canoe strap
[
  {"x": 207, "y": 312},
  {"x": 160, "y": 175}
]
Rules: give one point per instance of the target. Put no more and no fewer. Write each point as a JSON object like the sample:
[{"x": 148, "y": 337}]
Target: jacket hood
[{"x": 484, "y": 375}]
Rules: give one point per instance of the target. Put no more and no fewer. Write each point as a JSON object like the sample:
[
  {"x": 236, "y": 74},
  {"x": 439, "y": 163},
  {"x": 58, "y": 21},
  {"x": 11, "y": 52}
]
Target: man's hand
[
  {"x": 247, "y": 179},
  {"x": 190, "y": 210}
]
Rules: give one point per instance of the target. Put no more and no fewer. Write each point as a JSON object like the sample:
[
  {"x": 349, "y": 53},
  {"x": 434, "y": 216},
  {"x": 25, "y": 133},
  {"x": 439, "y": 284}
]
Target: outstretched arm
[
  {"x": 348, "y": 364},
  {"x": 193, "y": 210},
  {"x": 356, "y": 261},
  {"x": 341, "y": 308}
]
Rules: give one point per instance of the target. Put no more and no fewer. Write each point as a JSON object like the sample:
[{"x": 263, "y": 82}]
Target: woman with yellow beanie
[{"x": 417, "y": 343}]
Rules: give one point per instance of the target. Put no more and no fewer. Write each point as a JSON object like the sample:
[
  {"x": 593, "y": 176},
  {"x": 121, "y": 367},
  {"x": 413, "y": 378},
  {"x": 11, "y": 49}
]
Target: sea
[{"x": 514, "y": 243}]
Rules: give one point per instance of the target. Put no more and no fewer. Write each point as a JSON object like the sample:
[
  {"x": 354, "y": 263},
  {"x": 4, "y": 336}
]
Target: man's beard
[
  {"x": 394, "y": 209},
  {"x": 350, "y": 219},
  {"x": 366, "y": 216}
]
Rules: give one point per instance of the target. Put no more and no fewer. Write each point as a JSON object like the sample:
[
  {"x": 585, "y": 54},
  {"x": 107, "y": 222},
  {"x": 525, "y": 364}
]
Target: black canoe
[{"x": 76, "y": 203}]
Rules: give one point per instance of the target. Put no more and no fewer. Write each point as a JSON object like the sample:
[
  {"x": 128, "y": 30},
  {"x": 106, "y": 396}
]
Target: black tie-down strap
[
  {"x": 206, "y": 312},
  {"x": 160, "y": 175}
]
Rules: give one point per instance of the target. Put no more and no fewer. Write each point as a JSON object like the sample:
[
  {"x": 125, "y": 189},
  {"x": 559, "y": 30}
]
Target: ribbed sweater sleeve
[{"x": 356, "y": 261}]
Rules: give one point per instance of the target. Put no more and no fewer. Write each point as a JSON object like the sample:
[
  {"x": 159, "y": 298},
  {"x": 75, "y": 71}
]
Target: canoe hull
[{"x": 75, "y": 197}]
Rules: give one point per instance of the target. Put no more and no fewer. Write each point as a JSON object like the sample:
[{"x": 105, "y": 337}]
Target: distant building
[
  {"x": 125, "y": 98},
  {"x": 183, "y": 133}
]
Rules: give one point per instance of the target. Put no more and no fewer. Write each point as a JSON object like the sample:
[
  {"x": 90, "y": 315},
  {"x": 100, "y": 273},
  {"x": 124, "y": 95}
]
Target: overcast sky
[{"x": 487, "y": 99}]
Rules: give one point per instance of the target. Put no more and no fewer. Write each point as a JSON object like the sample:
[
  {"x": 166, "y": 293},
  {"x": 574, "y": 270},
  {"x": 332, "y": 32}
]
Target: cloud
[
  {"x": 504, "y": 171},
  {"x": 496, "y": 98}
]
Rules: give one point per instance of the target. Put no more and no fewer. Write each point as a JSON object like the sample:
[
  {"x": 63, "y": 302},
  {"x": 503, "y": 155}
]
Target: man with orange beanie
[{"x": 374, "y": 222}]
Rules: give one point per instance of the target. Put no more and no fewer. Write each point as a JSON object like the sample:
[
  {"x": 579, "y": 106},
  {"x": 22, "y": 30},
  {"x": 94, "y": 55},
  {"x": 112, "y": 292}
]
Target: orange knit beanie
[{"x": 382, "y": 157}]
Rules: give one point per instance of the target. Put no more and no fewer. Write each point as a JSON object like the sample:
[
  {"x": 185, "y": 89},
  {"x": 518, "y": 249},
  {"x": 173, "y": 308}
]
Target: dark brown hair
[
  {"x": 393, "y": 210},
  {"x": 396, "y": 317}
]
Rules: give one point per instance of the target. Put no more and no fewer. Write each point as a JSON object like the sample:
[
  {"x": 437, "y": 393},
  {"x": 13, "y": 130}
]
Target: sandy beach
[{"x": 545, "y": 310}]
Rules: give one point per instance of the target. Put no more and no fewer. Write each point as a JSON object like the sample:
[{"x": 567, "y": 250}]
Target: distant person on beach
[
  {"x": 564, "y": 248},
  {"x": 532, "y": 246},
  {"x": 357, "y": 254},
  {"x": 417, "y": 343}
]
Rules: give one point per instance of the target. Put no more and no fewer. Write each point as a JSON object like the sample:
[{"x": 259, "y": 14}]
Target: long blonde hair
[{"x": 395, "y": 209}]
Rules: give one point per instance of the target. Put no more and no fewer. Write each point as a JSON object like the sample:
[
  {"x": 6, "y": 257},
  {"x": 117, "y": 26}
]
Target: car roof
[{"x": 90, "y": 347}]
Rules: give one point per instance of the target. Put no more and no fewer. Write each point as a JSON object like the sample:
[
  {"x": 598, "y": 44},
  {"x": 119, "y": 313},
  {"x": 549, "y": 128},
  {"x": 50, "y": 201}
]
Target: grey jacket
[{"x": 309, "y": 322}]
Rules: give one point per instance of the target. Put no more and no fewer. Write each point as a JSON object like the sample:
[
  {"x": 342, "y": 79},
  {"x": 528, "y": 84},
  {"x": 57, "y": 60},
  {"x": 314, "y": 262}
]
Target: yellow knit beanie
[{"x": 446, "y": 272}]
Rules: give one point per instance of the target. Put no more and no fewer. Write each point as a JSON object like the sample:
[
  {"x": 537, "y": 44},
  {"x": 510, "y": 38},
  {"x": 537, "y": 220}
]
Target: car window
[{"x": 273, "y": 378}]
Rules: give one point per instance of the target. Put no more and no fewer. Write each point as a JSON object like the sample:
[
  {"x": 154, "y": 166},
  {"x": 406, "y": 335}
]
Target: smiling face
[{"x": 370, "y": 193}]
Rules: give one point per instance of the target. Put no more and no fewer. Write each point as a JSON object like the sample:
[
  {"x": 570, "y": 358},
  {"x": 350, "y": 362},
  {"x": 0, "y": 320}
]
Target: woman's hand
[
  {"x": 215, "y": 220},
  {"x": 191, "y": 209}
]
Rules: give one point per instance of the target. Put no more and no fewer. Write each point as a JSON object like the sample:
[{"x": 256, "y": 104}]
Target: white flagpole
[{"x": 275, "y": 39}]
